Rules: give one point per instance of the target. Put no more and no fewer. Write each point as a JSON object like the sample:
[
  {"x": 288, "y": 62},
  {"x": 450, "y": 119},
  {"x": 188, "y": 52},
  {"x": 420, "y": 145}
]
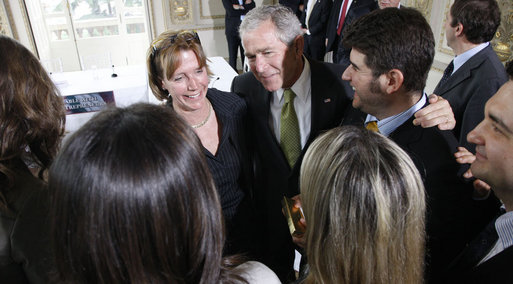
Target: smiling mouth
[{"x": 194, "y": 96}]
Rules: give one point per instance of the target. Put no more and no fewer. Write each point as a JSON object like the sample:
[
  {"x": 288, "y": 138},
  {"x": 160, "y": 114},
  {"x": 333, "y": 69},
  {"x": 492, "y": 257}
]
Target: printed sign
[{"x": 89, "y": 102}]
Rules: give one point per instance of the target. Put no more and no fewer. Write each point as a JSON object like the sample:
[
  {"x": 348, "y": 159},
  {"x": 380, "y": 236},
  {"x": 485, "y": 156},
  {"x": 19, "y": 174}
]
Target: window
[{"x": 72, "y": 31}]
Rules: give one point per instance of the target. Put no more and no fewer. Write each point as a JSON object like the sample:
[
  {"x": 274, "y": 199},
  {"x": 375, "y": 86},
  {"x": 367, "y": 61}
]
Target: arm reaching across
[
  {"x": 481, "y": 188},
  {"x": 437, "y": 113}
]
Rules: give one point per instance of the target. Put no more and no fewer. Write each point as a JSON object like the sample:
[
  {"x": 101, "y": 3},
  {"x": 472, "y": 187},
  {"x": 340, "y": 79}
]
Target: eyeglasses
[{"x": 187, "y": 36}]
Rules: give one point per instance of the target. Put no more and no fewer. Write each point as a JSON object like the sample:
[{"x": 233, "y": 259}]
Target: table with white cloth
[{"x": 128, "y": 87}]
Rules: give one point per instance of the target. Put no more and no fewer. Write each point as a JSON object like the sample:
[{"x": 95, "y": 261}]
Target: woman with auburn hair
[
  {"x": 364, "y": 203},
  {"x": 179, "y": 76},
  {"x": 32, "y": 119},
  {"x": 133, "y": 201}
]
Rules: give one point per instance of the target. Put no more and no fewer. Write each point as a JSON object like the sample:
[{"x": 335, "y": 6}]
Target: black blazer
[
  {"x": 357, "y": 9},
  {"x": 315, "y": 45},
  {"x": 273, "y": 176},
  {"x": 469, "y": 88},
  {"x": 452, "y": 215},
  {"x": 25, "y": 252},
  {"x": 497, "y": 269}
]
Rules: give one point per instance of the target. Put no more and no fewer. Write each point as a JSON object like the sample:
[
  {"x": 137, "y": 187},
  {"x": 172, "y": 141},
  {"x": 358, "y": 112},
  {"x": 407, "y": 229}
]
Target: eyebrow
[
  {"x": 499, "y": 121},
  {"x": 354, "y": 65}
]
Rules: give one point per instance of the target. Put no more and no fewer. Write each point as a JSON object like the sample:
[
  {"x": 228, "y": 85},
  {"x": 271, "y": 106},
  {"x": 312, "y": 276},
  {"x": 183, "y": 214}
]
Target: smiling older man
[{"x": 291, "y": 99}]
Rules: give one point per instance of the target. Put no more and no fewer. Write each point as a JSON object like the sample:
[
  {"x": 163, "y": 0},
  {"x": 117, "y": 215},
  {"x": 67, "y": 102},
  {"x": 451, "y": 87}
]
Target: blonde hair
[
  {"x": 364, "y": 204},
  {"x": 163, "y": 57}
]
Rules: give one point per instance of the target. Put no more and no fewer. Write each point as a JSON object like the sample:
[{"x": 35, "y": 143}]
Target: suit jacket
[
  {"x": 315, "y": 46},
  {"x": 273, "y": 176},
  {"x": 469, "y": 88},
  {"x": 232, "y": 16},
  {"x": 451, "y": 213},
  {"x": 357, "y": 9},
  {"x": 497, "y": 269}
]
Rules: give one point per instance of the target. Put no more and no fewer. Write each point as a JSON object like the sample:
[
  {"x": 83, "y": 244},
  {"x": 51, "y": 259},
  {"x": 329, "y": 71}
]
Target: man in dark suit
[
  {"x": 273, "y": 41},
  {"x": 389, "y": 77},
  {"x": 476, "y": 73},
  {"x": 235, "y": 12},
  {"x": 488, "y": 258},
  {"x": 335, "y": 32},
  {"x": 315, "y": 21}
]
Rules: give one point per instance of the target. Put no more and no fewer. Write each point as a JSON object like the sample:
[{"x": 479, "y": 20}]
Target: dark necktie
[
  {"x": 447, "y": 73},
  {"x": 290, "y": 140}
]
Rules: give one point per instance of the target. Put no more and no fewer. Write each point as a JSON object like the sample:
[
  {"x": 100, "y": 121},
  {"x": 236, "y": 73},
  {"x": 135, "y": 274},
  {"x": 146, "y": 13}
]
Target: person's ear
[
  {"x": 299, "y": 43},
  {"x": 458, "y": 30},
  {"x": 394, "y": 80}
]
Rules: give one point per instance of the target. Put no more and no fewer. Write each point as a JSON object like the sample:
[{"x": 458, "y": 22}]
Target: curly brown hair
[{"x": 32, "y": 114}]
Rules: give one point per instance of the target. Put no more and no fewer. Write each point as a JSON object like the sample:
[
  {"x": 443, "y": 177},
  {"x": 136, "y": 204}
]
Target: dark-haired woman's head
[
  {"x": 133, "y": 201},
  {"x": 32, "y": 114}
]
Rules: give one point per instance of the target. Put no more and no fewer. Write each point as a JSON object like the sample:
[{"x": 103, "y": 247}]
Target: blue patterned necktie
[{"x": 447, "y": 73}]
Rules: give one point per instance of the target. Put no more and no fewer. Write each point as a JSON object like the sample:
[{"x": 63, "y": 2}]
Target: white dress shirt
[
  {"x": 387, "y": 125},
  {"x": 465, "y": 56}
]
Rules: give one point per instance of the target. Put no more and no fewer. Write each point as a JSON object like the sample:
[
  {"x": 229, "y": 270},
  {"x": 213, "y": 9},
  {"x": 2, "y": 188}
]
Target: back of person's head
[
  {"x": 480, "y": 19},
  {"x": 286, "y": 23},
  {"x": 364, "y": 205},
  {"x": 394, "y": 39},
  {"x": 134, "y": 202},
  {"x": 32, "y": 114}
]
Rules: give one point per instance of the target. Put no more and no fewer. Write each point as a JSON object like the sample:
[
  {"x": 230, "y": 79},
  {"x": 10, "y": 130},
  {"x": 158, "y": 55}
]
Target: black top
[
  {"x": 225, "y": 166},
  {"x": 24, "y": 241},
  {"x": 230, "y": 169}
]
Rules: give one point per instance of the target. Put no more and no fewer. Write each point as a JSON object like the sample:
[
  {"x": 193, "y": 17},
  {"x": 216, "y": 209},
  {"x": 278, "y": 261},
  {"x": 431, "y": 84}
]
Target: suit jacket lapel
[
  {"x": 463, "y": 72},
  {"x": 322, "y": 92}
]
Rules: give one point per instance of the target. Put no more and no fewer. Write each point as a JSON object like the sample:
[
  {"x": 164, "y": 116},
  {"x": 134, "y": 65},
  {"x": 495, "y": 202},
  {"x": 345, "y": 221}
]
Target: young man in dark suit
[
  {"x": 476, "y": 72},
  {"x": 392, "y": 52}
]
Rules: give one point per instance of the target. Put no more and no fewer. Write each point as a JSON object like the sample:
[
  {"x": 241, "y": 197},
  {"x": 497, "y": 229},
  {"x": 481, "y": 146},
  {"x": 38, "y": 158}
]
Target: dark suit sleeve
[
  {"x": 30, "y": 238},
  {"x": 474, "y": 111},
  {"x": 320, "y": 26},
  {"x": 248, "y": 7},
  {"x": 228, "y": 7}
]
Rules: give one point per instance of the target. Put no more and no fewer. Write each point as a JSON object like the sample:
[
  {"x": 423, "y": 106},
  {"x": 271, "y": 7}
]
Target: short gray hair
[{"x": 287, "y": 24}]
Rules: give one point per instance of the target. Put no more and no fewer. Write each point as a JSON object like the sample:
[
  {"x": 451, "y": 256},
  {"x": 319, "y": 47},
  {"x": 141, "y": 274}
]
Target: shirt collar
[
  {"x": 302, "y": 85},
  {"x": 465, "y": 56},
  {"x": 504, "y": 227},
  {"x": 387, "y": 125}
]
